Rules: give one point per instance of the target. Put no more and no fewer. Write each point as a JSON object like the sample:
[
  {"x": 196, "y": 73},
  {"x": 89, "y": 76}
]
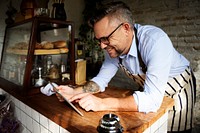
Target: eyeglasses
[{"x": 105, "y": 40}]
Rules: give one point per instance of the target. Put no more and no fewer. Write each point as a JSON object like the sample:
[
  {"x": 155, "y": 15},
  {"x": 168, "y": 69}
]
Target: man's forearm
[{"x": 120, "y": 104}]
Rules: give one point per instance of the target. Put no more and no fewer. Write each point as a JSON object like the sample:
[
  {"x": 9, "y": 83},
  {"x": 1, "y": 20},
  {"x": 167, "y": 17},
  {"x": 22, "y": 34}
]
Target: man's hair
[{"x": 115, "y": 10}]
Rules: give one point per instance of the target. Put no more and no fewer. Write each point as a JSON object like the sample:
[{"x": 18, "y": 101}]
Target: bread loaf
[
  {"x": 38, "y": 46},
  {"x": 47, "y": 45},
  {"x": 60, "y": 44},
  {"x": 63, "y": 50}
]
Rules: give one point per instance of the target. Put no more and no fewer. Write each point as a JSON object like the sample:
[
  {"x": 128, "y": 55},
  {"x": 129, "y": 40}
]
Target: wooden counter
[{"x": 62, "y": 114}]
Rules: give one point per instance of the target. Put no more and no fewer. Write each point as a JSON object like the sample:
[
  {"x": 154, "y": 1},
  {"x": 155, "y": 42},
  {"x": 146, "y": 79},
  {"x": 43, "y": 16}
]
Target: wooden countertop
[{"x": 62, "y": 114}]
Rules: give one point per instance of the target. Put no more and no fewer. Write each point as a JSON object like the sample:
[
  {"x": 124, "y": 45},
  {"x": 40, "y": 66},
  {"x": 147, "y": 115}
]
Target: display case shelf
[
  {"x": 38, "y": 51},
  {"x": 22, "y": 63}
]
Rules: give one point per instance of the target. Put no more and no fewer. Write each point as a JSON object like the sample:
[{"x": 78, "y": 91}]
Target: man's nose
[{"x": 103, "y": 45}]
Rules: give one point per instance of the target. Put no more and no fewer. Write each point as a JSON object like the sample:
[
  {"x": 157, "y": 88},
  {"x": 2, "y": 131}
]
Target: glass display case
[{"x": 36, "y": 51}]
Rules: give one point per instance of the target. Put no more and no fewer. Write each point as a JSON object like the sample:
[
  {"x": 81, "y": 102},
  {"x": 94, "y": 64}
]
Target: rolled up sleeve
[
  {"x": 107, "y": 71},
  {"x": 145, "y": 103}
]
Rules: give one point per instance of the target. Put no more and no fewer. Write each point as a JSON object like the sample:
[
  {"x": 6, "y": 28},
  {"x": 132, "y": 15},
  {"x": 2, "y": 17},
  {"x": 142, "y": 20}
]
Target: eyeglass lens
[{"x": 105, "y": 40}]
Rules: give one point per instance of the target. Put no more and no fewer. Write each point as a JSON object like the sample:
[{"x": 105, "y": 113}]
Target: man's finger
[{"x": 78, "y": 96}]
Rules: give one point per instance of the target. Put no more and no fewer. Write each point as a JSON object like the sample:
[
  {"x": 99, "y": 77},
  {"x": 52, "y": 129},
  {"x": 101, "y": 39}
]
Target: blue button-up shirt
[{"x": 161, "y": 59}]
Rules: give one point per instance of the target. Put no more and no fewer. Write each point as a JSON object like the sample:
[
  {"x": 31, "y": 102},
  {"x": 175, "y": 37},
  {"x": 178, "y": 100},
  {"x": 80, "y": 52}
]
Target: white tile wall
[
  {"x": 32, "y": 121},
  {"x": 160, "y": 126}
]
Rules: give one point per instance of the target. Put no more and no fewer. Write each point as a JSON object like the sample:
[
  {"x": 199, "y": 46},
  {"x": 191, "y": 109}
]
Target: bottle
[
  {"x": 58, "y": 11},
  {"x": 54, "y": 72},
  {"x": 11, "y": 73},
  {"x": 62, "y": 68},
  {"x": 49, "y": 63},
  {"x": 22, "y": 69}
]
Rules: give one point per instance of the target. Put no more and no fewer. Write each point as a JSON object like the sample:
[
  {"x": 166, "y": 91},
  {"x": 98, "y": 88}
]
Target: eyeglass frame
[{"x": 106, "y": 39}]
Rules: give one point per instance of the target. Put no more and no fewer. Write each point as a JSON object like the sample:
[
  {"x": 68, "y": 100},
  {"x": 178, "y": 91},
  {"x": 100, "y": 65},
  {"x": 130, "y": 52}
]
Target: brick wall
[{"x": 180, "y": 19}]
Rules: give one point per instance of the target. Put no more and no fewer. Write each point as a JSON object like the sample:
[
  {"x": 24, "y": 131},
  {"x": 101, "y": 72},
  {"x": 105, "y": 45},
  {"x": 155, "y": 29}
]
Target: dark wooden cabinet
[{"x": 30, "y": 53}]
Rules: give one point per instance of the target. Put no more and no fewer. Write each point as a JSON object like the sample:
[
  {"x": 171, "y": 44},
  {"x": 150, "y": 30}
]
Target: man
[{"x": 147, "y": 55}]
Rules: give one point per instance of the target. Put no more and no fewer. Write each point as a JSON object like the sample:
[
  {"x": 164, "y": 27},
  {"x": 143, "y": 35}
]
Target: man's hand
[
  {"x": 82, "y": 95},
  {"x": 66, "y": 91},
  {"x": 88, "y": 101}
]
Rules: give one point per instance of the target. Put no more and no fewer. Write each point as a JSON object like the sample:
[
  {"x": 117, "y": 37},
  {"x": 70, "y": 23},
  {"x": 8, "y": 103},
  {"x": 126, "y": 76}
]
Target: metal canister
[{"x": 109, "y": 123}]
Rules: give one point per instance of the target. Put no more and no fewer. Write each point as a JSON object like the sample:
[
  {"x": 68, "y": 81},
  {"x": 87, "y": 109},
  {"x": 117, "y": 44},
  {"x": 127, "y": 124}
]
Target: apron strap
[{"x": 142, "y": 65}]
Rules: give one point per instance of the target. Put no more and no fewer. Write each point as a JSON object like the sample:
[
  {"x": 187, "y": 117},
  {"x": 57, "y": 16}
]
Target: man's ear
[{"x": 127, "y": 27}]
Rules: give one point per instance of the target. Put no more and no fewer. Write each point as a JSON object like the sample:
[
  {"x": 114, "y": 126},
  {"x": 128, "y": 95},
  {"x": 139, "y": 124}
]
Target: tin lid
[{"x": 110, "y": 123}]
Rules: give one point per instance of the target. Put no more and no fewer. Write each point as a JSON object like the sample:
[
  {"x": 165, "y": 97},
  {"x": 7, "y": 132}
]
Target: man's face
[{"x": 111, "y": 36}]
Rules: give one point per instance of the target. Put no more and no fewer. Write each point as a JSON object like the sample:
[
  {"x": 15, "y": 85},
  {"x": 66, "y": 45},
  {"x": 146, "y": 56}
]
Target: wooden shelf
[{"x": 38, "y": 51}]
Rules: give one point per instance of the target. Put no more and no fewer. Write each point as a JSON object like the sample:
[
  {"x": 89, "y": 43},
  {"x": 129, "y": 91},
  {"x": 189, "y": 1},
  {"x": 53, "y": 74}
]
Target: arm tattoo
[{"x": 91, "y": 86}]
